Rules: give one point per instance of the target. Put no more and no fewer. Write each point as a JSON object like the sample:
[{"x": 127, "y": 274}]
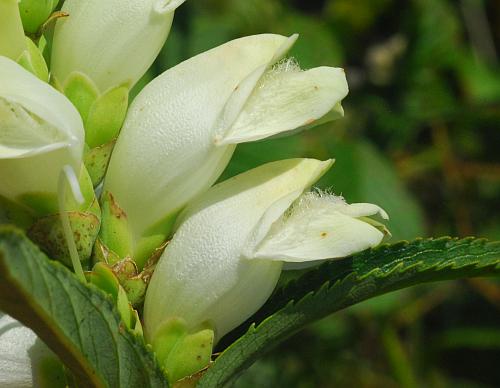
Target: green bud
[
  {"x": 106, "y": 117},
  {"x": 102, "y": 114},
  {"x": 133, "y": 282},
  {"x": 82, "y": 92},
  {"x": 115, "y": 233},
  {"x": 97, "y": 159},
  {"x": 114, "y": 247},
  {"x": 180, "y": 352},
  {"x": 103, "y": 277},
  {"x": 35, "y": 12},
  {"x": 13, "y": 213},
  {"x": 47, "y": 230}
]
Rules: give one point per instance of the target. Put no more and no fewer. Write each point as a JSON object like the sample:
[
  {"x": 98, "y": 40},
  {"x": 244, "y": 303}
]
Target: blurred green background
[{"x": 421, "y": 138}]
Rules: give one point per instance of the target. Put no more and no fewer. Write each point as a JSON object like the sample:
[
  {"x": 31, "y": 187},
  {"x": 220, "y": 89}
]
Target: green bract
[{"x": 35, "y": 12}]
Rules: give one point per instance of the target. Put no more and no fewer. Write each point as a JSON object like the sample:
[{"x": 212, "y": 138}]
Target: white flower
[
  {"x": 25, "y": 361},
  {"x": 227, "y": 253},
  {"x": 113, "y": 42},
  {"x": 40, "y": 133},
  {"x": 182, "y": 129}
]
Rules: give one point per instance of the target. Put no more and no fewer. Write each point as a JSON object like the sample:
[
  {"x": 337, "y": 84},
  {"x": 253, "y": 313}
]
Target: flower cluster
[{"x": 154, "y": 164}]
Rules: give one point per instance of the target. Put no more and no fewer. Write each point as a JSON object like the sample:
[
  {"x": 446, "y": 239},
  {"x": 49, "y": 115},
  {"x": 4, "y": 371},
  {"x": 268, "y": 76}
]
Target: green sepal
[
  {"x": 48, "y": 233},
  {"x": 12, "y": 213},
  {"x": 101, "y": 253},
  {"x": 96, "y": 160},
  {"x": 35, "y": 12},
  {"x": 103, "y": 277},
  {"x": 115, "y": 233},
  {"x": 182, "y": 353},
  {"x": 90, "y": 203},
  {"x": 41, "y": 204},
  {"x": 106, "y": 116},
  {"x": 81, "y": 91},
  {"x": 145, "y": 249},
  {"x": 50, "y": 373},
  {"x": 153, "y": 238},
  {"x": 12, "y": 40},
  {"x": 133, "y": 282},
  {"x": 32, "y": 60}
]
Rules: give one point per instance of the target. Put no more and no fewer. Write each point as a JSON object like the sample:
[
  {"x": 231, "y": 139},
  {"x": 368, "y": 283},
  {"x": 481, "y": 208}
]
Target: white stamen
[{"x": 68, "y": 174}]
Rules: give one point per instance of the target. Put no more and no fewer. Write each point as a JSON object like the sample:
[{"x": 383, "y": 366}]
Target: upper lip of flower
[{"x": 39, "y": 102}]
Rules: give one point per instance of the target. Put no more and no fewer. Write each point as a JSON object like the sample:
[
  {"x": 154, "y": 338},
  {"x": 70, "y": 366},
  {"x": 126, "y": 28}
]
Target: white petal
[
  {"x": 58, "y": 120},
  {"x": 21, "y": 353},
  {"x": 165, "y": 6},
  {"x": 37, "y": 174},
  {"x": 40, "y": 132},
  {"x": 202, "y": 277},
  {"x": 316, "y": 228},
  {"x": 170, "y": 131},
  {"x": 330, "y": 237},
  {"x": 363, "y": 210},
  {"x": 287, "y": 99},
  {"x": 113, "y": 42}
]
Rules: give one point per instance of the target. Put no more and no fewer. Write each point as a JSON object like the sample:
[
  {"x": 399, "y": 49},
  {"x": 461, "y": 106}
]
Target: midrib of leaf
[
  {"x": 76, "y": 320},
  {"x": 339, "y": 284}
]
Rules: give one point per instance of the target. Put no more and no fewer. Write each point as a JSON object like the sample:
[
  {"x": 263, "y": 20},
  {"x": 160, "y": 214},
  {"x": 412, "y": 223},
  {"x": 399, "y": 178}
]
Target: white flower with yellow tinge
[
  {"x": 183, "y": 128},
  {"x": 230, "y": 245},
  {"x": 40, "y": 133},
  {"x": 112, "y": 42},
  {"x": 25, "y": 361},
  {"x": 41, "y": 148}
]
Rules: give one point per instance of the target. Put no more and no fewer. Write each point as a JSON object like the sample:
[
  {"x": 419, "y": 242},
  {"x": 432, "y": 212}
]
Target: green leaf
[
  {"x": 338, "y": 284},
  {"x": 77, "y": 321}
]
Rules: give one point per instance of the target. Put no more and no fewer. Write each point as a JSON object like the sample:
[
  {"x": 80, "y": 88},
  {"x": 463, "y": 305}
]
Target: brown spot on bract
[
  {"x": 198, "y": 358},
  {"x": 324, "y": 234},
  {"x": 310, "y": 121}
]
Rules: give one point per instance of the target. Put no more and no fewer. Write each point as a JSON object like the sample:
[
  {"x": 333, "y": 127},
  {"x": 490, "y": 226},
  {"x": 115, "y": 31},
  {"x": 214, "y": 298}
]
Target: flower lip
[
  {"x": 35, "y": 118},
  {"x": 206, "y": 250}
]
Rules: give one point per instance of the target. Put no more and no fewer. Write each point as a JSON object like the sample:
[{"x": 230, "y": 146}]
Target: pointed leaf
[
  {"x": 77, "y": 321},
  {"x": 338, "y": 284}
]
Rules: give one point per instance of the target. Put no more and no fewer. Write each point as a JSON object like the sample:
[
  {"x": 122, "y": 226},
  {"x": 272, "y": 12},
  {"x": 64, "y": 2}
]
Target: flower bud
[
  {"x": 182, "y": 129},
  {"x": 26, "y": 361},
  {"x": 227, "y": 254},
  {"x": 35, "y": 12},
  {"x": 113, "y": 42}
]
